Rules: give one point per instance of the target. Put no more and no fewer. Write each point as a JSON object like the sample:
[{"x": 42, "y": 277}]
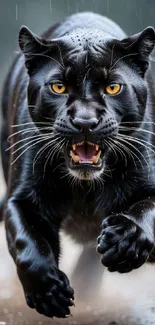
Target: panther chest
[{"x": 83, "y": 225}]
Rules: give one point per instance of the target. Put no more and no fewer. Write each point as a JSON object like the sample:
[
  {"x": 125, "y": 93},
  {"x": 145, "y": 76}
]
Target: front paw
[
  {"x": 47, "y": 290},
  {"x": 123, "y": 244}
]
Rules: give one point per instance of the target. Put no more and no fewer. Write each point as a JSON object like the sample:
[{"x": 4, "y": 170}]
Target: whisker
[
  {"x": 61, "y": 57},
  {"x": 139, "y": 140},
  {"x": 46, "y": 56},
  {"x": 55, "y": 150},
  {"x": 141, "y": 143},
  {"x": 58, "y": 166},
  {"x": 42, "y": 149},
  {"x": 32, "y": 138},
  {"x": 135, "y": 122},
  {"x": 127, "y": 55},
  {"x": 33, "y": 130},
  {"x": 50, "y": 153},
  {"x": 136, "y": 129},
  {"x": 27, "y": 123},
  {"x": 40, "y": 152},
  {"x": 112, "y": 55},
  {"x": 112, "y": 148},
  {"x": 40, "y": 140},
  {"x": 127, "y": 150},
  {"x": 49, "y": 118},
  {"x": 124, "y": 140},
  {"x": 115, "y": 143}
]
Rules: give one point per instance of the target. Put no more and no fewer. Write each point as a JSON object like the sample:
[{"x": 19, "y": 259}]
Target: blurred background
[
  {"x": 131, "y": 15},
  {"x": 126, "y": 299}
]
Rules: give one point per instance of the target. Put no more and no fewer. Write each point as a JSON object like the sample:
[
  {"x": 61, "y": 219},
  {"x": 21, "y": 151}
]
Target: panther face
[{"x": 86, "y": 84}]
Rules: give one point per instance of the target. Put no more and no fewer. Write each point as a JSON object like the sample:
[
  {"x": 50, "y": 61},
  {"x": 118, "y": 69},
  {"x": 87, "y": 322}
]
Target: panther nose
[{"x": 86, "y": 125}]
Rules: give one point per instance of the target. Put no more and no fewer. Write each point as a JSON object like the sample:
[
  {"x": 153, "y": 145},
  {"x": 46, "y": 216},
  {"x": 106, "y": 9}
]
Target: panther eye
[
  {"x": 58, "y": 87},
  {"x": 113, "y": 89}
]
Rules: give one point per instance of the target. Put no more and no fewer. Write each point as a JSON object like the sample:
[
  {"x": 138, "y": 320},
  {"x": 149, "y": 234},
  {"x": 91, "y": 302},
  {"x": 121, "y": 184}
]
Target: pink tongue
[{"x": 85, "y": 152}]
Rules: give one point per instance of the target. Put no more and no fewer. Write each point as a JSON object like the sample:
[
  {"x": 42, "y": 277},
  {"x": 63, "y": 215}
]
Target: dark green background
[{"x": 131, "y": 15}]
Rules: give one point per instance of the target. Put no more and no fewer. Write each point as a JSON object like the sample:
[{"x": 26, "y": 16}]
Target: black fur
[{"x": 86, "y": 52}]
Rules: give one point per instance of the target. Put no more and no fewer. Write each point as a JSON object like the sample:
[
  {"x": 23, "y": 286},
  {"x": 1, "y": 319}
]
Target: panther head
[{"x": 86, "y": 84}]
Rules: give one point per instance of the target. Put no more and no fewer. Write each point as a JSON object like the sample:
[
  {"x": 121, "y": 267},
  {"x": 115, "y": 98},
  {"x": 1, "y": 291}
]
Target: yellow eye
[
  {"x": 113, "y": 89},
  {"x": 58, "y": 87}
]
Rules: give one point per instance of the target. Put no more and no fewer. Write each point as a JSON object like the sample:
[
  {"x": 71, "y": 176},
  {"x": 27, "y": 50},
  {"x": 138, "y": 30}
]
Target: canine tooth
[
  {"x": 96, "y": 158},
  {"x": 74, "y": 157},
  {"x": 97, "y": 147},
  {"x": 74, "y": 146}
]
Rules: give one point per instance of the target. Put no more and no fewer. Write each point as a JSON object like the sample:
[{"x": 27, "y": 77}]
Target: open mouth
[{"x": 85, "y": 153}]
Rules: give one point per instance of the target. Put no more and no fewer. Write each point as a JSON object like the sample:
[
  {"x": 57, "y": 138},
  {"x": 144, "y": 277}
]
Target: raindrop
[
  {"x": 51, "y": 8},
  {"x": 76, "y": 4},
  {"x": 108, "y": 9},
  {"x": 68, "y": 4},
  {"x": 16, "y": 11}
]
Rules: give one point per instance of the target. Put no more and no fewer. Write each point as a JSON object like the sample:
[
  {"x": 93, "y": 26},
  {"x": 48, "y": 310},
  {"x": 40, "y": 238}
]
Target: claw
[
  {"x": 73, "y": 303},
  {"x": 67, "y": 316}
]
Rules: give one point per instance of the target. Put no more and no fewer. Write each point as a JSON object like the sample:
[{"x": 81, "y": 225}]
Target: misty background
[{"x": 38, "y": 15}]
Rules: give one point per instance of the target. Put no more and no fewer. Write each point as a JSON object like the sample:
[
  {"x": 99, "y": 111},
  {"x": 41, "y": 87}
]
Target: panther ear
[
  {"x": 142, "y": 42},
  {"x": 32, "y": 47},
  {"x": 139, "y": 46}
]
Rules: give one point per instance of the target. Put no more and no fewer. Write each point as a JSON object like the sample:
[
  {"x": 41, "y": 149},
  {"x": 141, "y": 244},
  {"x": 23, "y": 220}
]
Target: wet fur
[{"x": 41, "y": 200}]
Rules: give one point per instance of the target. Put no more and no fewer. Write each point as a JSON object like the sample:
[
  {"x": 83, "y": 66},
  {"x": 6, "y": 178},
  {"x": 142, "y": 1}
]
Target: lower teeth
[
  {"x": 76, "y": 158},
  {"x": 85, "y": 162}
]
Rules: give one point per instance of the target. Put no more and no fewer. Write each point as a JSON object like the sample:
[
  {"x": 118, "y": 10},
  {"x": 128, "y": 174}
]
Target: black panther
[{"x": 78, "y": 152}]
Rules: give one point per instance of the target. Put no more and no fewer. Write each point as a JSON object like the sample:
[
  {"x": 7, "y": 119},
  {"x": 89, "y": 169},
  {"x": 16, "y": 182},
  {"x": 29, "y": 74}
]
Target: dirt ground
[{"x": 123, "y": 299}]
